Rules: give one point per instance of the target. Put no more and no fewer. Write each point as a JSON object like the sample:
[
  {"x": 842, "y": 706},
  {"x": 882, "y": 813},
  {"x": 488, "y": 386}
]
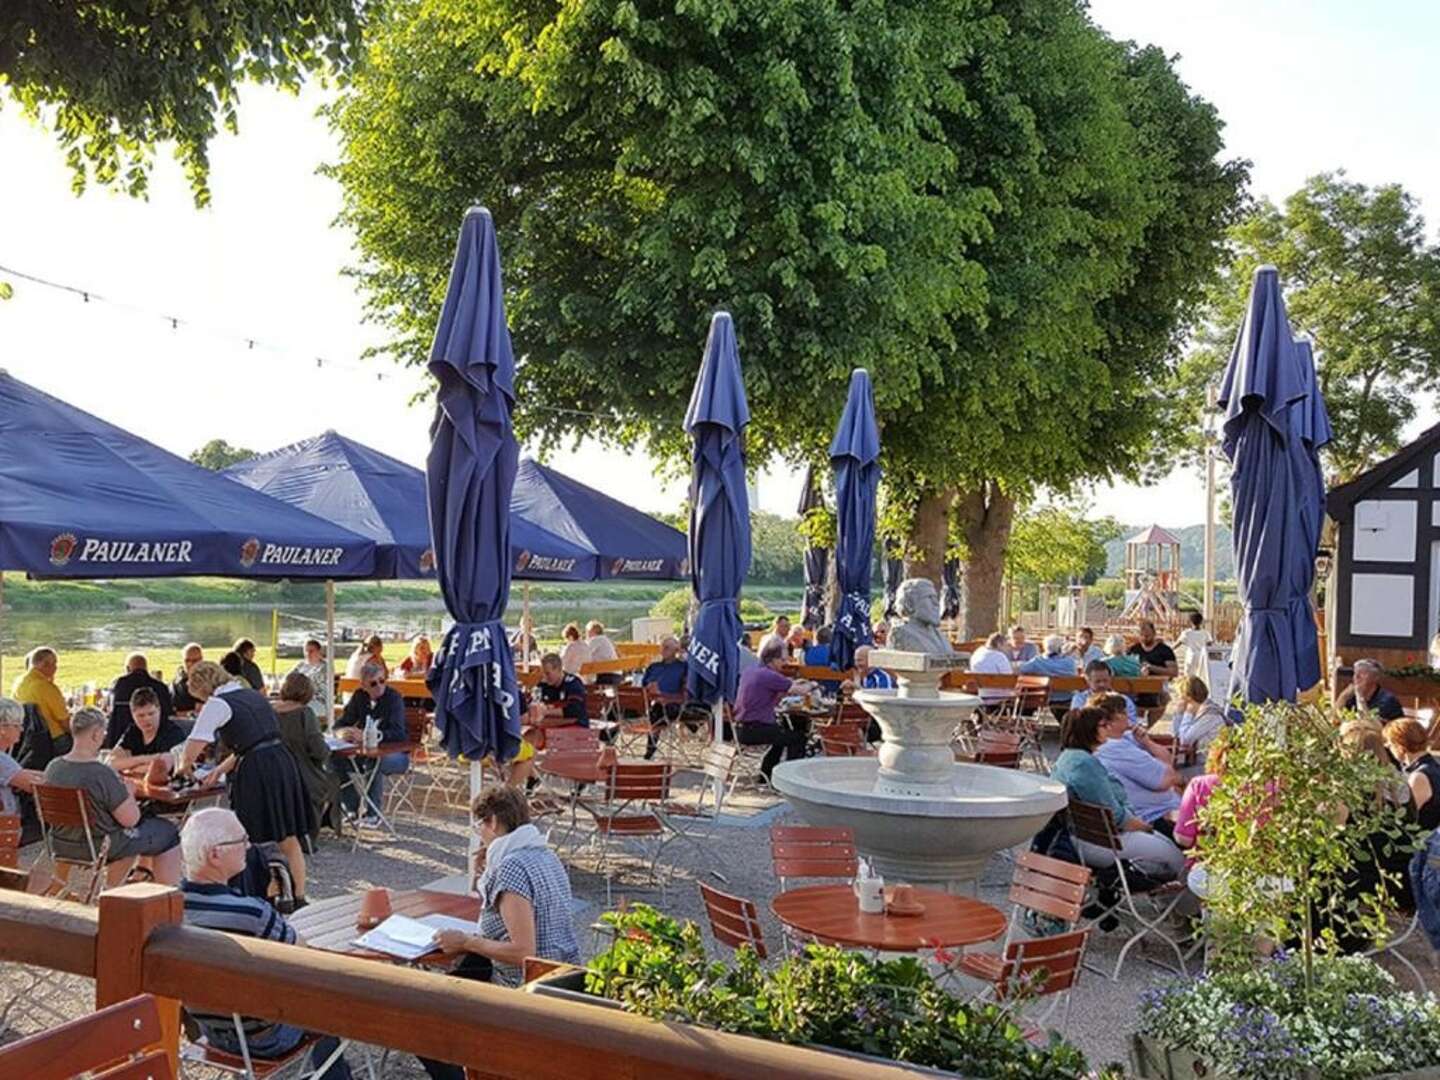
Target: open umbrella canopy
[
  {"x": 80, "y": 497},
  {"x": 1262, "y": 381},
  {"x": 855, "y": 457},
  {"x": 470, "y": 472},
  {"x": 719, "y": 537},
  {"x": 817, "y": 559},
  {"x": 383, "y": 498},
  {"x": 628, "y": 543}
]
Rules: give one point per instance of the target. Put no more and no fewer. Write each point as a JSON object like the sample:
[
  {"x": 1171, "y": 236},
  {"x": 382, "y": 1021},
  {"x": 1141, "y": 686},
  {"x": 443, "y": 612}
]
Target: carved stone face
[{"x": 916, "y": 599}]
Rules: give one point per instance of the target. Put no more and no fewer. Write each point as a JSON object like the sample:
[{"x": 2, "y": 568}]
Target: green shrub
[
  {"x": 675, "y": 606},
  {"x": 825, "y": 997}
]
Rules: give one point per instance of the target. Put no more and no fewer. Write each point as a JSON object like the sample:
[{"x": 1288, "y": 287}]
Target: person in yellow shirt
[{"x": 37, "y": 687}]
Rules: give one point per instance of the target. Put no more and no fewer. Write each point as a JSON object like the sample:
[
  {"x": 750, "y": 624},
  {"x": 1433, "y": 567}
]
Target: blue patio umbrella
[
  {"x": 817, "y": 559},
  {"x": 469, "y": 473},
  {"x": 854, "y": 454},
  {"x": 892, "y": 573},
  {"x": 1262, "y": 381},
  {"x": 1309, "y": 432},
  {"x": 719, "y": 515},
  {"x": 951, "y": 596}
]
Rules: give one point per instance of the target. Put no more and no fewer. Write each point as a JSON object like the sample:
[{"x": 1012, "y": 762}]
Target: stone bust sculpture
[{"x": 919, "y": 630}]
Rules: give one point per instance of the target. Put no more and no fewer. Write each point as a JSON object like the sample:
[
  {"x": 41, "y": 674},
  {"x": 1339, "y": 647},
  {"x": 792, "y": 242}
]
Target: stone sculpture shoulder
[{"x": 919, "y": 631}]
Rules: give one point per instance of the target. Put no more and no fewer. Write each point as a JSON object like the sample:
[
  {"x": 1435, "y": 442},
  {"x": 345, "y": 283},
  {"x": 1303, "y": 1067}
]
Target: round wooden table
[
  {"x": 579, "y": 766},
  {"x": 831, "y": 914}
]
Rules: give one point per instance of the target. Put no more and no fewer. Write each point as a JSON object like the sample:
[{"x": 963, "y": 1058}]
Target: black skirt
[{"x": 268, "y": 796}]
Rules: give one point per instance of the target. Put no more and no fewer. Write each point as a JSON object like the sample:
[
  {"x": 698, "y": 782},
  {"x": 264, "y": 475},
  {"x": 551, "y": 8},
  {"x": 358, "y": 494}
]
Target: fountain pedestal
[{"x": 917, "y": 814}]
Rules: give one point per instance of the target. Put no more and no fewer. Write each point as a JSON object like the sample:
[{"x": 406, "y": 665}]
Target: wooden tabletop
[
  {"x": 356, "y": 750},
  {"x": 406, "y": 688},
  {"x": 583, "y": 767},
  {"x": 330, "y": 924},
  {"x": 831, "y": 913}
]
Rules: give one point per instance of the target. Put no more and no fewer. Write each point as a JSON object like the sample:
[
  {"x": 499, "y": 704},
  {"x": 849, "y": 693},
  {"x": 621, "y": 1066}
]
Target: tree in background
[
  {"x": 1051, "y": 544},
  {"x": 1362, "y": 279},
  {"x": 218, "y": 454},
  {"x": 112, "y": 79},
  {"x": 777, "y": 549},
  {"x": 1001, "y": 213}
]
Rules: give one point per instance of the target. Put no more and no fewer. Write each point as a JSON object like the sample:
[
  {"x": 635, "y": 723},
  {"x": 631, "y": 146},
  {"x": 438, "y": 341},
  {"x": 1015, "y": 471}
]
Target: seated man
[
  {"x": 602, "y": 648},
  {"x": 37, "y": 687},
  {"x": 16, "y": 783},
  {"x": 249, "y": 670},
  {"x": 665, "y": 676},
  {"x": 214, "y": 846},
  {"x": 779, "y": 631},
  {"x": 180, "y": 697},
  {"x": 871, "y": 678},
  {"x": 1098, "y": 683},
  {"x": 137, "y": 676},
  {"x": 761, "y": 689},
  {"x": 1152, "y": 787},
  {"x": 1053, "y": 662},
  {"x": 1366, "y": 695},
  {"x": 150, "y": 735},
  {"x": 1156, "y": 658},
  {"x": 563, "y": 696},
  {"x": 820, "y": 655},
  {"x": 383, "y": 704},
  {"x": 1085, "y": 650},
  {"x": 992, "y": 659},
  {"x": 114, "y": 812},
  {"x": 1019, "y": 649}
]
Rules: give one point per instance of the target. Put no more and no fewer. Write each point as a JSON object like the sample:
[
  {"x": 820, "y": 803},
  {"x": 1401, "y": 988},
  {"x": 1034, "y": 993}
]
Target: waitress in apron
[{"x": 266, "y": 792}]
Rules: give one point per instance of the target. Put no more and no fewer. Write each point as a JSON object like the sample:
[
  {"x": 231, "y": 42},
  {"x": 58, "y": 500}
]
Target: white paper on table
[
  {"x": 400, "y": 936},
  {"x": 336, "y": 743},
  {"x": 449, "y": 922}
]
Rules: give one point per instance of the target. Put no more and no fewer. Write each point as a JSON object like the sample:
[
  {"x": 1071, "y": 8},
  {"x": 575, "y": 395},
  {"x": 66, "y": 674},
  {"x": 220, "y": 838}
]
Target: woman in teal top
[{"x": 1087, "y": 780}]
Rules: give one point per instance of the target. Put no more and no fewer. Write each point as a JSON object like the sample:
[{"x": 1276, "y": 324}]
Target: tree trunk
[
  {"x": 985, "y": 515},
  {"x": 929, "y": 536}
]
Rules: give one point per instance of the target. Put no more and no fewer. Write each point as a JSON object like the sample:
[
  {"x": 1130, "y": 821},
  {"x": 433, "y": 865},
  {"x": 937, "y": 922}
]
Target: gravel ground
[{"x": 433, "y": 847}]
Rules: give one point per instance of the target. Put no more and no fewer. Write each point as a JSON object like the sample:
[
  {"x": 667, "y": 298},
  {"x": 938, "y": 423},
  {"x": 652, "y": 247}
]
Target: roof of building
[
  {"x": 1341, "y": 500},
  {"x": 1154, "y": 535}
]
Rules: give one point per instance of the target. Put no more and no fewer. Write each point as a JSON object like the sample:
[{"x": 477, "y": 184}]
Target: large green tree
[
  {"x": 1051, "y": 544},
  {"x": 996, "y": 209},
  {"x": 1361, "y": 277},
  {"x": 114, "y": 78}
]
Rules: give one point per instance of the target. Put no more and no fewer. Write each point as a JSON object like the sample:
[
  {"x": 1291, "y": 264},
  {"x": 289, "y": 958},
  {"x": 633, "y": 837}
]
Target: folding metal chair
[
  {"x": 1095, "y": 825},
  {"x": 400, "y": 787},
  {"x": 1023, "y": 717},
  {"x": 734, "y": 920},
  {"x": 1391, "y": 948},
  {"x": 844, "y": 738},
  {"x": 1040, "y": 968},
  {"x": 716, "y": 768},
  {"x": 10, "y": 829},
  {"x": 200, "y": 1052},
  {"x": 629, "y": 809},
  {"x": 69, "y": 808},
  {"x": 1040, "y": 886},
  {"x": 812, "y": 851}
]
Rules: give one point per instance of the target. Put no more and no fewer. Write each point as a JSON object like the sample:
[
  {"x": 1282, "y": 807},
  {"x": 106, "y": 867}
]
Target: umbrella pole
[
  {"x": 329, "y": 651},
  {"x": 717, "y": 717},
  {"x": 2, "y": 629},
  {"x": 525, "y": 630}
]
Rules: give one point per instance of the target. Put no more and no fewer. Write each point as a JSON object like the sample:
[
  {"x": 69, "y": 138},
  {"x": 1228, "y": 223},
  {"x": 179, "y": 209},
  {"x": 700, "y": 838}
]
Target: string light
[{"x": 249, "y": 341}]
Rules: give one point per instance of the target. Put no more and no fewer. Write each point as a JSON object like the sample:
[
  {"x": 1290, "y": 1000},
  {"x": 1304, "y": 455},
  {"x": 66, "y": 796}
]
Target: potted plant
[
  {"x": 827, "y": 998},
  {"x": 1303, "y": 840}
]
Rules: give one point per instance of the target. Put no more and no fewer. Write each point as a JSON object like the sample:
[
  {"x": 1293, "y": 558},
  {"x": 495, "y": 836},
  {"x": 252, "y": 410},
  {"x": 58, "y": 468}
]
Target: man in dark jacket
[
  {"x": 137, "y": 674},
  {"x": 375, "y": 700},
  {"x": 180, "y": 696}
]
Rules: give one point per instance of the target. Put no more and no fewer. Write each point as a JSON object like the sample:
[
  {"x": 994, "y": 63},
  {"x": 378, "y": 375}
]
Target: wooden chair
[
  {"x": 599, "y": 704},
  {"x": 69, "y": 808},
  {"x": 573, "y": 739},
  {"x": 123, "y": 1041},
  {"x": 1040, "y": 968},
  {"x": 630, "y": 809},
  {"x": 1095, "y": 825},
  {"x": 734, "y": 920},
  {"x": 717, "y": 766},
  {"x": 400, "y": 788},
  {"x": 844, "y": 739},
  {"x": 10, "y": 829},
  {"x": 202, "y": 1054},
  {"x": 812, "y": 851},
  {"x": 1040, "y": 885}
]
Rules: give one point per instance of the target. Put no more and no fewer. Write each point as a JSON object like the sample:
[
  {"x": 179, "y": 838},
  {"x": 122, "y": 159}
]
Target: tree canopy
[
  {"x": 218, "y": 454},
  {"x": 1362, "y": 279},
  {"x": 998, "y": 210},
  {"x": 113, "y": 79},
  {"x": 1051, "y": 544}
]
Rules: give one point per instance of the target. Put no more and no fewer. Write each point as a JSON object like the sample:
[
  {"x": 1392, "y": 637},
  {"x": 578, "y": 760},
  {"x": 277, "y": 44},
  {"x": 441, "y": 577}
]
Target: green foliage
[
  {"x": 113, "y": 79},
  {"x": 1259, "y": 1023},
  {"x": 999, "y": 211},
  {"x": 675, "y": 606},
  {"x": 817, "y": 529},
  {"x": 1360, "y": 276},
  {"x": 777, "y": 550},
  {"x": 1051, "y": 544},
  {"x": 1296, "y": 813},
  {"x": 826, "y": 997},
  {"x": 218, "y": 454}
]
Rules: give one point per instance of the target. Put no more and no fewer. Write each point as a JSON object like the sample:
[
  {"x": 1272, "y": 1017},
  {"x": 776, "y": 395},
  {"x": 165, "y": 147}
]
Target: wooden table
[
  {"x": 406, "y": 688},
  {"x": 831, "y": 914},
  {"x": 362, "y": 781},
  {"x": 579, "y": 767},
  {"x": 330, "y": 924}
]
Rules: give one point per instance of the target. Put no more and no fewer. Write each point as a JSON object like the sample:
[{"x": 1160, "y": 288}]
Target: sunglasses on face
[
  {"x": 376, "y": 682},
  {"x": 228, "y": 843}
]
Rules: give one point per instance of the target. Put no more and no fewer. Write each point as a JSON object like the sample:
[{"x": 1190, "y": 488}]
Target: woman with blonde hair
[
  {"x": 1200, "y": 719},
  {"x": 422, "y": 655},
  {"x": 369, "y": 651},
  {"x": 266, "y": 791},
  {"x": 576, "y": 653}
]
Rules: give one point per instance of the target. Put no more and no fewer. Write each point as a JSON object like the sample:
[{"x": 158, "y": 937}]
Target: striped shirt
[{"x": 219, "y": 907}]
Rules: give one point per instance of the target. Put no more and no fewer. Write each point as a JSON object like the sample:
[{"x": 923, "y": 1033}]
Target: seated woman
[
  {"x": 525, "y": 892},
  {"x": 1199, "y": 720},
  {"x": 114, "y": 812},
  {"x": 575, "y": 654},
  {"x": 1385, "y": 872},
  {"x": 1197, "y": 794},
  {"x": 300, "y": 732},
  {"x": 1121, "y": 664},
  {"x": 150, "y": 736},
  {"x": 1410, "y": 744},
  {"x": 1082, "y": 732},
  {"x": 369, "y": 651},
  {"x": 422, "y": 655}
]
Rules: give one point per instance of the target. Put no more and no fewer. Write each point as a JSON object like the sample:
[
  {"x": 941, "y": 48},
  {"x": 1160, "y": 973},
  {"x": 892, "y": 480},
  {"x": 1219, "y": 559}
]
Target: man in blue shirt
[
  {"x": 563, "y": 694},
  {"x": 665, "y": 676},
  {"x": 871, "y": 678},
  {"x": 1054, "y": 662},
  {"x": 1098, "y": 681},
  {"x": 1151, "y": 786},
  {"x": 818, "y": 655}
]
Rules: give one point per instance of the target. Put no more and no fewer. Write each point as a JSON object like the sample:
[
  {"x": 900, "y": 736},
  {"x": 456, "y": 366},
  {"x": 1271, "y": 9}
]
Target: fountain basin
[{"x": 942, "y": 839}]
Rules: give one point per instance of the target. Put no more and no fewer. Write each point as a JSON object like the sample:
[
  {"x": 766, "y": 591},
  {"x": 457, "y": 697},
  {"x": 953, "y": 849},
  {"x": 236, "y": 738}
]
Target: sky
[{"x": 1304, "y": 86}]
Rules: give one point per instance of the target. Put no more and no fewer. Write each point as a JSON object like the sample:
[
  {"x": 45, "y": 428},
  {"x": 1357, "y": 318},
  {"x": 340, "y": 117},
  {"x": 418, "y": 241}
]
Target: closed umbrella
[
  {"x": 1309, "y": 432},
  {"x": 469, "y": 474},
  {"x": 817, "y": 559},
  {"x": 1262, "y": 380},
  {"x": 892, "y": 573},
  {"x": 719, "y": 516},
  {"x": 951, "y": 598},
  {"x": 854, "y": 454}
]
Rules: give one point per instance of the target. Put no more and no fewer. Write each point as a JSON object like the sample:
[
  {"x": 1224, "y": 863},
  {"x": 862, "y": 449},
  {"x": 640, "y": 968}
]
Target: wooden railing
[{"x": 136, "y": 944}]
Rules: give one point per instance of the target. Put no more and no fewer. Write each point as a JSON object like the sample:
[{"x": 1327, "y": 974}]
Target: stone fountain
[{"x": 918, "y": 815}]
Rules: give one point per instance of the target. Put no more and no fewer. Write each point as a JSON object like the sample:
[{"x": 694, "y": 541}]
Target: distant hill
[{"x": 1192, "y": 551}]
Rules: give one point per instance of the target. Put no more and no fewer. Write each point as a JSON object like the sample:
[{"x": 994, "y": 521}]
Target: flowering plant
[{"x": 1260, "y": 1023}]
